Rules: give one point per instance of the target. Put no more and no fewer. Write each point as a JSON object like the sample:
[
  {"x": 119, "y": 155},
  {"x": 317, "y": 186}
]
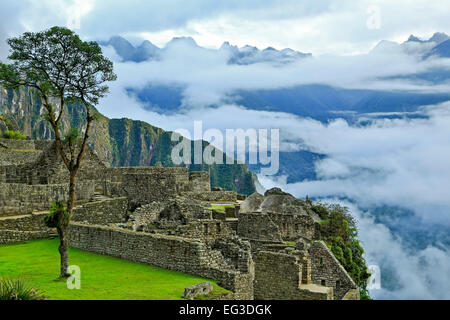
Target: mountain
[
  {"x": 120, "y": 142},
  {"x": 249, "y": 55},
  {"x": 187, "y": 41},
  {"x": 241, "y": 56},
  {"x": 416, "y": 46},
  {"x": 442, "y": 50},
  {"x": 436, "y": 38},
  {"x": 439, "y": 37},
  {"x": 145, "y": 51}
]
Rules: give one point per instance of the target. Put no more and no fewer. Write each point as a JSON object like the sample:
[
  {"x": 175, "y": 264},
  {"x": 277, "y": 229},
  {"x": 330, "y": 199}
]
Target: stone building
[{"x": 266, "y": 247}]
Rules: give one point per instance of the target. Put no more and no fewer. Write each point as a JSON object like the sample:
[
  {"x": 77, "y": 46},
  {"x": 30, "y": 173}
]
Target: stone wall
[
  {"x": 14, "y": 236},
  {"x": 114, "y": 177},
  {"x": 206, "y": 231},
  {"x": 13, "y": 157},
  {"x": 169, "y": 252},
  {"x": 24, "y": 228},
  {"x": 200, "y": 181},
  {"x": 19, "y": 144},
  {"x": 51, "y": 169},
  {"x": 18, "y": 199},
  {"x": 293, "y": 226},
  {"x": 213, "y": 196},
  {"x": 195, "y": 185},
  {"x": 326, "y": 270},
  {"x": 31, "y": 222},
  {"x": 32, "y": 226},
  {"x": 258, "y": 226},
  {"x": 278, "y": 276},
  {"x": 102, "y": 212},
  {"x": 237, "y": 252},
  {"x": 46, "y": 166},
  {"x": 14, "y": 174},
  {"x": 142, "y": 189}
]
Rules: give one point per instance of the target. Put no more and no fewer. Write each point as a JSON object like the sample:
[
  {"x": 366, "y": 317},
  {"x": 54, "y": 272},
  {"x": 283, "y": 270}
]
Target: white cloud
[
  {"x": 321, "y": 27},
  {"x": 417, "y": 274},
  {"x": 394, "y": 162}
]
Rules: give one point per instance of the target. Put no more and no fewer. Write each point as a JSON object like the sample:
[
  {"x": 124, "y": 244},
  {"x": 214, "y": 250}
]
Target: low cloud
[
  {"x": 405, "y": 273},
  {"x": 208, "y": 78}
]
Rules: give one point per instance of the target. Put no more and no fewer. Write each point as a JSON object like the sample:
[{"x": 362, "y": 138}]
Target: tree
[
  {"x": 62, "y": 69},
  {"x": 339, "y": 230}
]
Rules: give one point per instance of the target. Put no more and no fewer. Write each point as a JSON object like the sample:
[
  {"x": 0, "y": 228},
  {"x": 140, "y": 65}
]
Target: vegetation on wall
[
  {"x": 15, "y": 135},
  {"x": 339, "y": 231}
]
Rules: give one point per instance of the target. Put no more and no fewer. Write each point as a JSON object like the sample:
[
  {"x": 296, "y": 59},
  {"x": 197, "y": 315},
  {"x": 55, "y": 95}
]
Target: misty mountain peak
[
  {"x": 184, "y": 40},
  {"x": 244, "y": 56},
  {"x": 145, "y": 51},
  {"x": 439, "y": 37},
  {"x": 413, "y": 38}
]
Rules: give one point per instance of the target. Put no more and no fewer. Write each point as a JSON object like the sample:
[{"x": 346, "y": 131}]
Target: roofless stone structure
[{"x": 163, "y": 217}]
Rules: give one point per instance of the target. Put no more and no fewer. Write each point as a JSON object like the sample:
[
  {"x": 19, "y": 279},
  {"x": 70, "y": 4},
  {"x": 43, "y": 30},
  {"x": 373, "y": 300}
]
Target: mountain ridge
[
  {"x": 147, "y": 51},
  {"x": 119, "y": 142}
]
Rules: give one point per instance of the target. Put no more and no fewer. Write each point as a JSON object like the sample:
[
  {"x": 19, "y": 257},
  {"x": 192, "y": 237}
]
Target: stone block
[{"x": 201, "y": 289}]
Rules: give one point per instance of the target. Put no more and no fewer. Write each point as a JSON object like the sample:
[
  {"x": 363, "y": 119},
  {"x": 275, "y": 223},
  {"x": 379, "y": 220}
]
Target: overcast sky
[{"x": 319, "y": 26}]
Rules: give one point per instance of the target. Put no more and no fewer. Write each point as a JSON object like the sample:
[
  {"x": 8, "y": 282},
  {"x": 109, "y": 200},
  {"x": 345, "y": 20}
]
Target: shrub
[
  {"x": 18, "y": 289},
  {"x": 15, "y": 135}
]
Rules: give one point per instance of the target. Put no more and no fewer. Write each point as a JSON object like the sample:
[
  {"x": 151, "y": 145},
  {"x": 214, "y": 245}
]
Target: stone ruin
[{"x": 264, "y": 247}]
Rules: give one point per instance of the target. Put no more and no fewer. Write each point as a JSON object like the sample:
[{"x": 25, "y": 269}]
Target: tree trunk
[
  {"x": 64, "y": 251},
  {"x": 63, "y": 229},
  {"x": 71, "y": 201}
]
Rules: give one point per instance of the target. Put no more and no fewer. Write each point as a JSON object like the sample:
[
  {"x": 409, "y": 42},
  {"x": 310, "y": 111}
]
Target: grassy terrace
[
  {"x": 221, "y": 207},
  {"x": 102, "y": 277}
]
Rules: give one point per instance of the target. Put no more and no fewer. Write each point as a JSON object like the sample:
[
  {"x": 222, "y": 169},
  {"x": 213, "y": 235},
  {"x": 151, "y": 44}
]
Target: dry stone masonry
[{"x": 261, "y": 247}]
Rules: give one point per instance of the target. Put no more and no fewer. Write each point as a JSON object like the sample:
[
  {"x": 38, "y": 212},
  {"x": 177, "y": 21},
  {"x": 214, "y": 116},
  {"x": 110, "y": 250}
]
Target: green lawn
[{"x": 102, "y": 277}]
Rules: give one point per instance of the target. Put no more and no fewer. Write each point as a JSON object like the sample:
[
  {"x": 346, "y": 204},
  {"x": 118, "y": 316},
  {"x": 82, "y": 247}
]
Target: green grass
[
  {"x": 102, "y": 277},
  {"x": 221, "y": 207}
]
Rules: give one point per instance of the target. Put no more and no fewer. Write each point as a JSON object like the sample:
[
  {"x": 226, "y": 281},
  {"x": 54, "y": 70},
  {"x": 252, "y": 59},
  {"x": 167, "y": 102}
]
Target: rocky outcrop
[{"x": 252, "y": 203}]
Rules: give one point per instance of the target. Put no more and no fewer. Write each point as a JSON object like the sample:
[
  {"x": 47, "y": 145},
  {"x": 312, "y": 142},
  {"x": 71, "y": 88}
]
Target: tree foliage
[{"x": 339, "y": 231}]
